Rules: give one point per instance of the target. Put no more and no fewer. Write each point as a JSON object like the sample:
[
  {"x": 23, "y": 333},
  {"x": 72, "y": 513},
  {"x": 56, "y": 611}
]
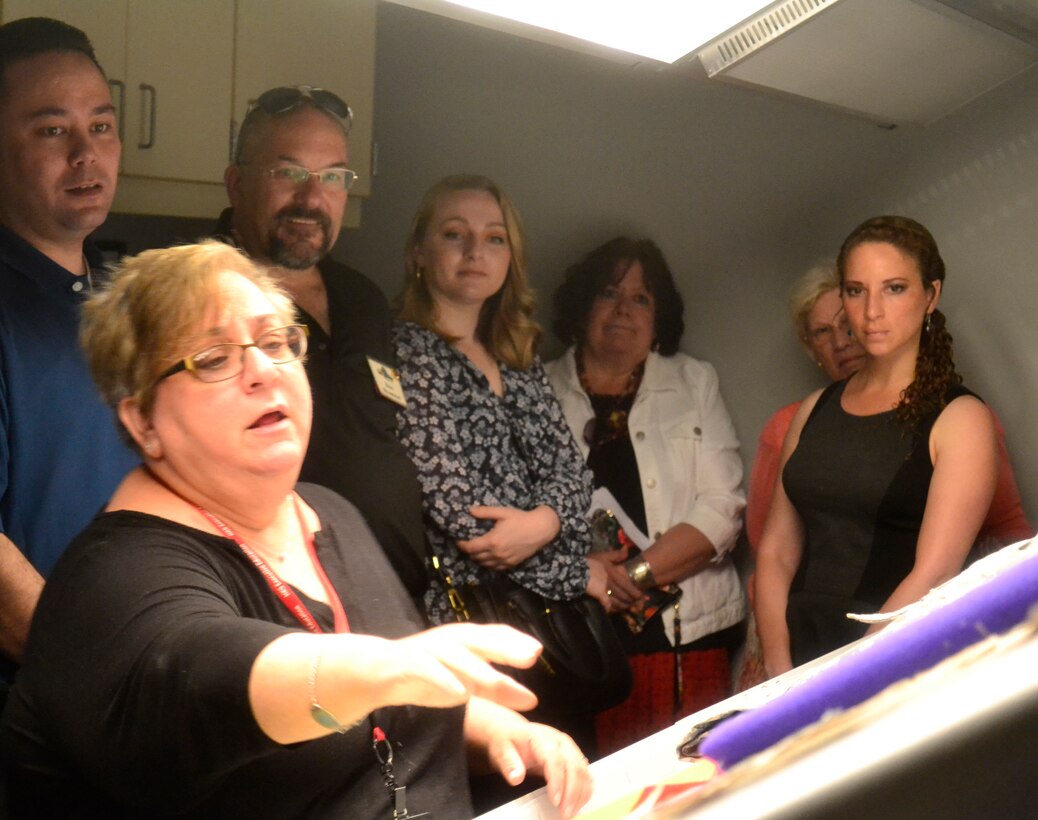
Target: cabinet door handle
[
  {"x": 119, "y": 87},
  {"x": 231, "y": 139},
  {"x": 148, "y": 94}
]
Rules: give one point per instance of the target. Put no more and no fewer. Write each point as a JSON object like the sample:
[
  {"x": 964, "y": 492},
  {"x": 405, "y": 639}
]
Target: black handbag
[{"x": 583, "y": 668}]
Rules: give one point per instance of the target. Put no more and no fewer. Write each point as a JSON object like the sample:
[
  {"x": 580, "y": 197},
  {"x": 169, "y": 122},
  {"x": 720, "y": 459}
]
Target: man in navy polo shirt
[{"x": 60, "y": 453}]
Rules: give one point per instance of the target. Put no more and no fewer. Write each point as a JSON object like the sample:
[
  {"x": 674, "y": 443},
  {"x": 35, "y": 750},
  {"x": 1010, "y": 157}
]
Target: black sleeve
[
  {"x": 133, "y": 699},
  {"x": 145, "y": 702}
]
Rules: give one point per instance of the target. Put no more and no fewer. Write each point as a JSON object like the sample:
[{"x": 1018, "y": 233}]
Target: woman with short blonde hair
[
  {"x": 816, "y": 281},
  {"x": 235, "y": 640},
  {"x": 127, "y": 347}
]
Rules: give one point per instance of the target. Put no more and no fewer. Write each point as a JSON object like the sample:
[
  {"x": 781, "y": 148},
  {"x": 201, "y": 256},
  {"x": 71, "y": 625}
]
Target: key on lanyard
[{"x": 397, "y": 794}]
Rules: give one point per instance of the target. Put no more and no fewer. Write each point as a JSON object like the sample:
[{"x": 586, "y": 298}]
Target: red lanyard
[
  {"x": 284, "y": 592},
  {"x": 381, "y": 746}
]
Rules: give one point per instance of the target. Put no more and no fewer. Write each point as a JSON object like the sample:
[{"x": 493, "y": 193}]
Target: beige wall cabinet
[
  {"x": 183, "y": 72},
  {"x": 179, "y": 64}
]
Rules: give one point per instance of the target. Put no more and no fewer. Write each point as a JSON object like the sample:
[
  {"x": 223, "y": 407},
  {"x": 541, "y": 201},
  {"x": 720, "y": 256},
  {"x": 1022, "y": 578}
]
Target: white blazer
[{"x": 690, "y": 472}]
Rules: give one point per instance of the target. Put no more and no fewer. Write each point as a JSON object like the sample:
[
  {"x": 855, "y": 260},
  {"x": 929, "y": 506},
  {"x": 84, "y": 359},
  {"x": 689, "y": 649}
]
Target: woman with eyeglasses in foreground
[
  {"x": 222, "y": 642},
  {"x": 655, "y": 431},
  {"x": 887, "y": 475}
]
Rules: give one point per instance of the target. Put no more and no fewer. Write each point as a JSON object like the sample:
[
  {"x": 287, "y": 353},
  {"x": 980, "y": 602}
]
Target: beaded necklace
[{"x": 611, "y": 410}]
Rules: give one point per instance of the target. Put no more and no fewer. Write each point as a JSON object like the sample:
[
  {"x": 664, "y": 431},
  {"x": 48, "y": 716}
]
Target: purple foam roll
[{"x": 995, "y": 607}]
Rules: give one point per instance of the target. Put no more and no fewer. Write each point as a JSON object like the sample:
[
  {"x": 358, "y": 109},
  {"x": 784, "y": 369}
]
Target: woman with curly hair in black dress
[{"x": 886, "y": 475}]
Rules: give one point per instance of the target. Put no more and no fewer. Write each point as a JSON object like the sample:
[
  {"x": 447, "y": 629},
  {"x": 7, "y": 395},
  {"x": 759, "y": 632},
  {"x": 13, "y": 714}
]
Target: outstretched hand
[
  {"x": 351, "y": 675},
  {"x": 515, "y": 747},
  {"x": 446, "y": 665},
  {"x": 539, "y": 749}
]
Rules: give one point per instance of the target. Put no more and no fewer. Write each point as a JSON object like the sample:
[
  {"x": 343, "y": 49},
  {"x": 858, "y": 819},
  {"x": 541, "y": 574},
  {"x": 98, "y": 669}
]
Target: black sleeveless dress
[{"x": 859, "y": 484}]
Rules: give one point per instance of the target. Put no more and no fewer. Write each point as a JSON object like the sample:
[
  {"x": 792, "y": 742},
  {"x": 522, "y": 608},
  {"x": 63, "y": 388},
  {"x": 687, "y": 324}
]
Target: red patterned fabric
[{"x": 706, "y": 679}]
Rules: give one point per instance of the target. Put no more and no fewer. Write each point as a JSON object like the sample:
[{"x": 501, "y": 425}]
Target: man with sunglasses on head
[
  {"x": 60, "y": 453},
  {"x": 288, "y": 186}
]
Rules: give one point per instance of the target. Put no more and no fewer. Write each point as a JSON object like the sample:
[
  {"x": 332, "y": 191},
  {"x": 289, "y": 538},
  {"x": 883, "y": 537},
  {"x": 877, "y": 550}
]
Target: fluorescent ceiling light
[{"x": 663, "y": 30}]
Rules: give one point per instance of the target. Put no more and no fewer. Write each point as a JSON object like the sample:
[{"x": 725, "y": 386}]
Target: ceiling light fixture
[{"x": 664, "y": 30}]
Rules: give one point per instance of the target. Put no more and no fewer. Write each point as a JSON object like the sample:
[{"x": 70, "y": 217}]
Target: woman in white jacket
[{"x": 651, "y": 423}]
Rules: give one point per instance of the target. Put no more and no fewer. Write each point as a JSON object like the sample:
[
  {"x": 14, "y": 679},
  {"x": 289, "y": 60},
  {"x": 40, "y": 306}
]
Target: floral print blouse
[{"x": 472, "y": 446}]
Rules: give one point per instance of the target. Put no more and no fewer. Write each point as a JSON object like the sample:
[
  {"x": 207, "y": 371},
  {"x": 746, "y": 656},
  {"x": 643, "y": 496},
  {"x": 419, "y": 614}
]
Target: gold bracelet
[
  {"x": 640, "y": 573},
  {"x": 321, "y": 716}
]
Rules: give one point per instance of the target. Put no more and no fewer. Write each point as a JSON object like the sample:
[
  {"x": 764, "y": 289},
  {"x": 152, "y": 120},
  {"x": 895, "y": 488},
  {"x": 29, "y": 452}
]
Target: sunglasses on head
[{"x": 285, "y": 98}]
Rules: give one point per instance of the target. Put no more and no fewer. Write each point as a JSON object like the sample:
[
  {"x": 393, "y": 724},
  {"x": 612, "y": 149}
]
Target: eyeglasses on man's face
[
  {"x": 225, "y": 361},
  {"x": 333, "y": 179}
]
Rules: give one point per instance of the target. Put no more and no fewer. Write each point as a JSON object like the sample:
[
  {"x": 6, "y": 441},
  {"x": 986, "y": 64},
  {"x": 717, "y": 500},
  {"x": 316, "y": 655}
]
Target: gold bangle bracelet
[{"x": 640, "y": 573}]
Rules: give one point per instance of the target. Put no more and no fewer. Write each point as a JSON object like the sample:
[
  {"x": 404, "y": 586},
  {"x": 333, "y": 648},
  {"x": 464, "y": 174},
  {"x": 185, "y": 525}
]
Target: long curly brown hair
[{"x": 935, "y": 370}]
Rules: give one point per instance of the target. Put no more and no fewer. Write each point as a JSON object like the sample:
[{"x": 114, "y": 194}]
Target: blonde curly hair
[{"x": 143, "y": 320}]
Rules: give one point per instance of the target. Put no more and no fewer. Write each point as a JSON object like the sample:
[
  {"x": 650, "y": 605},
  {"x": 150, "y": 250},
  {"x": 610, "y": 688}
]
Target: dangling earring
[{"x": 928, "y": 324}]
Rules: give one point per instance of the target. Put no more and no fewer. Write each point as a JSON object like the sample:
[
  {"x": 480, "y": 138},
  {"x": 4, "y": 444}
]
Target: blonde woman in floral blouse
[{"x": 505, "y": 488}]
